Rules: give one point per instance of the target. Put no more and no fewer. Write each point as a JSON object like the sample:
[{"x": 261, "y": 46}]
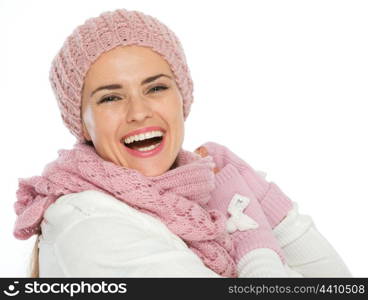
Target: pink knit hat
[{"x": 100, "y": 34}]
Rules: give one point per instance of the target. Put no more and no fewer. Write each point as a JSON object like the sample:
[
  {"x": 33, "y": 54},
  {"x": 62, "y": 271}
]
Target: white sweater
[{"x": 93, "y": 234}]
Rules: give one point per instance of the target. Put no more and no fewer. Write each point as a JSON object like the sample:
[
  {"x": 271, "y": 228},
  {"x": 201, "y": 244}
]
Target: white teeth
[
  {"x": 143, "y": 136},
  {"x": 149, "y": 147}
]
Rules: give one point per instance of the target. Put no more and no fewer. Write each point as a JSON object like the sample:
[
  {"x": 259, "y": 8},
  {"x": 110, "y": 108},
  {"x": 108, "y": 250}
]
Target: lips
[{"x": 149, "y": 153}]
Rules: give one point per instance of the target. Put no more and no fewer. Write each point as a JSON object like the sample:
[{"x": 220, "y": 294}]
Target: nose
[{"x": 139, "y": 109}]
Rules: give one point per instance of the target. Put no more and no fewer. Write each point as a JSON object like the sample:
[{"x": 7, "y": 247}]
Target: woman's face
[{"x": 138, "y": 98}]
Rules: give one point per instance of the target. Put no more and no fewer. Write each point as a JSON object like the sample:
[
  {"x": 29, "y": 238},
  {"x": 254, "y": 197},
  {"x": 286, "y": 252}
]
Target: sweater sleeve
[
  {"x": 306, "y": 251},
  {"x": 95, "y": 235}
]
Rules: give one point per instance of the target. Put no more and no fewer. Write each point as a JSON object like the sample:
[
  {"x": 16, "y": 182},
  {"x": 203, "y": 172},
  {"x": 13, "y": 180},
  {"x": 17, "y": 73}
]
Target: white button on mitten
[{"x": 239, "y": 220}]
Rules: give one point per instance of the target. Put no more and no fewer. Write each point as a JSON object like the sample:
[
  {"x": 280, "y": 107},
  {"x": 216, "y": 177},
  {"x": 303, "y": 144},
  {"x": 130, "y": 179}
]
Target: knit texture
[
  {"x": 103, "y": 33},
  {"x": 275, "y": 204},
  {"x": 176, "y": 198},
  {"x": 229, "y": 182}
]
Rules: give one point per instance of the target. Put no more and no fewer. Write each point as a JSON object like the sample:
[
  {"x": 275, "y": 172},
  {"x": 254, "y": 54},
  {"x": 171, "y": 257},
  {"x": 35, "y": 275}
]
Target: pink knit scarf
[{"x": 177, "y": 198}]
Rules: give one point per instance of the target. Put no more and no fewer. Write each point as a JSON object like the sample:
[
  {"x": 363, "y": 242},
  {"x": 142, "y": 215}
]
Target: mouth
[
  {"x": 149, "y": 146},
  {"x": 145, "y": 145}
]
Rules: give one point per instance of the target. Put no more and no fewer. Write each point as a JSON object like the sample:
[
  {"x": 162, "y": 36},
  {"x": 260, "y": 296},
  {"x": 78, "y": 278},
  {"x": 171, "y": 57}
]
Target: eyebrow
[{"x": 119, "y": 86}]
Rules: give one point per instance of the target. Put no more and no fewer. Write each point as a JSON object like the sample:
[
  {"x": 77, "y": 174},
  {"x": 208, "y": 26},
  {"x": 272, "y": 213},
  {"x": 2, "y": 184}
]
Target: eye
[
  {"x": 158, "y": 88},
  {"x": 108, "y": 99}
]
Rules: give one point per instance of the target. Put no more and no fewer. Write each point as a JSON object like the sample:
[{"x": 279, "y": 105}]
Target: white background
[{"x": 281, "y": 83}]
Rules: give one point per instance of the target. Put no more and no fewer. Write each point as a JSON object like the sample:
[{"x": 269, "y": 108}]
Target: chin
[
  {"x": 153, "y": 172},
  {"x": 155, "y": 169}
]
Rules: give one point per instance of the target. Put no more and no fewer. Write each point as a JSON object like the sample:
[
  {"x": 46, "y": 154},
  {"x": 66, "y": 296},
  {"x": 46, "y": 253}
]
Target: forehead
[{"x": 127, "y": 62}]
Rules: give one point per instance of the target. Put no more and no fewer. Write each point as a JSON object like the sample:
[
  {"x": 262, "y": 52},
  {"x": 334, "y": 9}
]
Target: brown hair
[{"x": 34, "y": 270}]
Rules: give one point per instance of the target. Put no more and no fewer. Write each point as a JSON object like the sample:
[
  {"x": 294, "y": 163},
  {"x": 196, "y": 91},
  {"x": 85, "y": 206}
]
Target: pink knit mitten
[
  {"x": 275, "y": 204},
  {"x": 247, "y": 224}
]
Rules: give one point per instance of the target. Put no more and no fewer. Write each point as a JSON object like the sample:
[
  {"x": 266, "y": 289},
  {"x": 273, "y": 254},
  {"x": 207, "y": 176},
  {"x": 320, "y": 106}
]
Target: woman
[{"x": 127, "y": 200}]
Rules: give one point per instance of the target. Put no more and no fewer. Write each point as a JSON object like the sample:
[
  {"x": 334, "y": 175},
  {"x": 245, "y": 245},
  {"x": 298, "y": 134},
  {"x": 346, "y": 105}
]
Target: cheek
[
  {"x": 101, "y": 123},
  {"x": 109, "y": 121},
  {"x": 175, "y": 118},
  {"x": 171, "y": 109},
  {"x": 174, "y": 105}
]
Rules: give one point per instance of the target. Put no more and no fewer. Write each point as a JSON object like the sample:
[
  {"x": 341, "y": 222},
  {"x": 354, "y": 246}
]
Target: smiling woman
[
  {"x": 146, "y": 97},
  {"x": 127, "y": 200}
]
